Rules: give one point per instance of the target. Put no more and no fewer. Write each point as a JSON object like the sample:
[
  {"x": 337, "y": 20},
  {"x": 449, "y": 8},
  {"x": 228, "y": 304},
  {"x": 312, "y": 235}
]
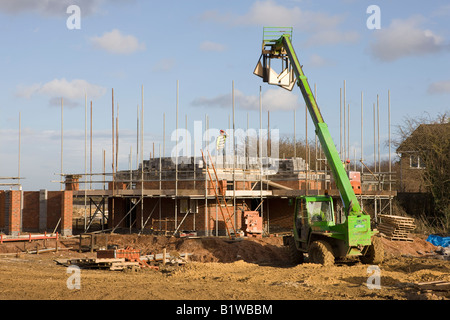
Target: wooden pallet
[
  {"x": 99, "y": 263},
  {"x": 434, "y": 285},
  {"x": 395, "y": 235},
  {"x": 124, "y": 265},
  {"x": 398, "y": 221},
  {"x": 392, "y": 231},
  {"x": 396, "y": 228},
  {"x": 392, "y": 238}
]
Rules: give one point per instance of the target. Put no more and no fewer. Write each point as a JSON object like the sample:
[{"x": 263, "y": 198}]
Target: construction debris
[
  {"x": 434, "y": 285},
  {"x": 178, "y": 259},
  {"x": 439, "y": 241},
  {"x": 126, "y": 259},
  {"x": 187, "y": 234},
  {"x": 252, "y": 224},
  {"x": 99, "y": 263},
  {"x": 127, "y": 253},
  {"x": 396, "y": 228}
]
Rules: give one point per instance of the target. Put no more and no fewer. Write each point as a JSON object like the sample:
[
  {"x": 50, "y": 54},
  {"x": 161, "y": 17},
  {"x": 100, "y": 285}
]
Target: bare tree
[{"x": 429, "y": 140}]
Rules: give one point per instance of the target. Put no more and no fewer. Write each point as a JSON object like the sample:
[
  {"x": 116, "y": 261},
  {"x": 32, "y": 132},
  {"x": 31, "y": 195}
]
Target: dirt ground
[{"x": 251, "y": 269}]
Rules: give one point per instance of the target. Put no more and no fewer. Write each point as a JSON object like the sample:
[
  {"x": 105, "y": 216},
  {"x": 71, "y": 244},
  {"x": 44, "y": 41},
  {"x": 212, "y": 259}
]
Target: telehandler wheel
[
  {"x": 375, "y": 252},
  {"x": 321, "y": 252},
  {"x": 295, "y": 256}
]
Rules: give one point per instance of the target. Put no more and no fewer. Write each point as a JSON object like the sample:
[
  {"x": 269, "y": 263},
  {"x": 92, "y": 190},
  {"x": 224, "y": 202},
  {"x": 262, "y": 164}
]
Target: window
[
  {"x": 416, "y": 162},
  {"x": 320, "y": 211}
]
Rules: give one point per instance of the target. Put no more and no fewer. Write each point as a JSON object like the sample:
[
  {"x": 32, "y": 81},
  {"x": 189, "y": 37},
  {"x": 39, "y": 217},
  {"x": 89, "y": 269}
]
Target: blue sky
[{"x": 205, "y": 45}]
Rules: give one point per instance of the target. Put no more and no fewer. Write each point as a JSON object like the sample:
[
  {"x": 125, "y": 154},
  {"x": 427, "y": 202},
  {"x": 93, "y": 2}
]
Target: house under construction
[{"x": 216, "y": 196}]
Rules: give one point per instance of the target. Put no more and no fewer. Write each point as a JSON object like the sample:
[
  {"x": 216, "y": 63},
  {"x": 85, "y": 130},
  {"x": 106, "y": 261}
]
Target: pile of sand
[
  {"x": 262, "y": 251},
  {"x": 268, "y": 250},
  {"x": 209, "y": 249},
  {"x": 418, "y": 247}
]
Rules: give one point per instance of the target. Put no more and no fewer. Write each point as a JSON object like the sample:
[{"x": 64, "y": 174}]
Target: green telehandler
[{"x": 316, "y": 229}]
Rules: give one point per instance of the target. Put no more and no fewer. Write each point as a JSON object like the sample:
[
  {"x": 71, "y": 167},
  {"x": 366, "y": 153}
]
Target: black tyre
[
  {"x": 321, "y": 252},
  {"x": 295, "y": 256},
  {"x": 375, "y": 252}
]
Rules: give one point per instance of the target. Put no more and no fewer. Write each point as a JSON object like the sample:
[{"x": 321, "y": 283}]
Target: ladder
[{"x": 221, "y": 201}]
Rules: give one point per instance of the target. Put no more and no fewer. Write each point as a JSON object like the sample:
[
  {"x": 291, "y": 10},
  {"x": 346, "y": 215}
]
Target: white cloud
[
  {"x": 224, "y": 100},
  {"x": 61, "y": 88},
  {"x": 72, "y": 90},
  {"x": 117, "y": 43},
  {"x": 280, "y": 99},
  {"x": 48, "y": 7},
  {"x": 322, "y": 28},
  {"x": 317, "y": 61},
  {"x": 270, "y": 13},
  {"x": 212, "y": 46},
  {"x": 405, "y": 38},
  {"x": 272, "y": 100},
  {"x": 27, "y": 91},
  {"x": 439, "y": 87}
]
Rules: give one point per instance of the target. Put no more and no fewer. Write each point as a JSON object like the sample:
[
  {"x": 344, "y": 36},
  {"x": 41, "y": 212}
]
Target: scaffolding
[
  {"x": 250, "y": 181},
  {"x": 237, "y": 186}
]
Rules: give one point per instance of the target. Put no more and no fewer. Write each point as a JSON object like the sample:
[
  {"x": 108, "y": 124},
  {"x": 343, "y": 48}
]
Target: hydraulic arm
[{"x": 281, "y": 48}]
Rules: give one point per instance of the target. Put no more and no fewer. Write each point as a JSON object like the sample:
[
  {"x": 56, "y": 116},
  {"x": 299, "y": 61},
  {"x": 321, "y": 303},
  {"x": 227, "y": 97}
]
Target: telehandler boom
[{"x": 316, "y": 231}]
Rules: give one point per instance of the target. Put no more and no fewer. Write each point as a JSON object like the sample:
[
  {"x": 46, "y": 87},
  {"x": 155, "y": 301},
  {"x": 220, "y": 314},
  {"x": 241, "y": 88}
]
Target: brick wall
[
  {"x": 203, "y": 220},
  {"x": 117, "y": 186},
  {"x": 30, "y": 216},
  {"x": 214, "y": 223},
  {"x": 167, "y": 211},
  {"x": 301, "y": 184},
  {"x": 2, "y": 210},
  {"x": 43, "y": 194},
  {"x": 40, "y": 212},
  {"x": 66, "y": 212},
  {"x": 13, "y": 212},
  {"x": 114, "y": 216},
  {"x": 410, "y": 179},
  {"x": 53, "y": 209},
  {"x": 162, "y": 213},
  {"x": 280, "y": 214},
  {"x": 189, "y": 185}
]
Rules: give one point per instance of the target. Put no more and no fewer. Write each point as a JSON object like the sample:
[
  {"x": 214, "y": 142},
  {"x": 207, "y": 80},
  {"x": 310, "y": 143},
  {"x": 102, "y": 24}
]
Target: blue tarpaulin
[{"x": 439, "y": 241}]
